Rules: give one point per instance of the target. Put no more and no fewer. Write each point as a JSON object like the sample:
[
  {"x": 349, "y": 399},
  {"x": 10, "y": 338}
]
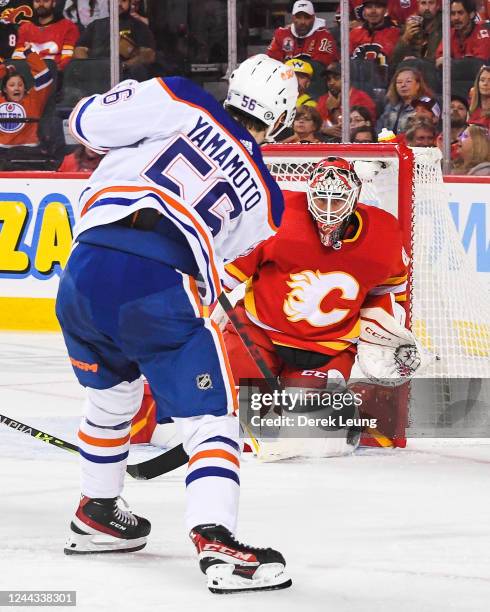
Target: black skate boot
[
  {"x": 100, "y": 525},
  {"x": 232, "y": 567}
]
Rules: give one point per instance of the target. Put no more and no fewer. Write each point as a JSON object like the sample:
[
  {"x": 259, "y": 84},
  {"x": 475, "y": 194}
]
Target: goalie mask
[{"x": 332, "y": 191}]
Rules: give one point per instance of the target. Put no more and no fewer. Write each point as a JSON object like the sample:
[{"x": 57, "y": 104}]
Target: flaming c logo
[
  {"x": 16, "y": 14},
  {"x": 309, "y": 289}
]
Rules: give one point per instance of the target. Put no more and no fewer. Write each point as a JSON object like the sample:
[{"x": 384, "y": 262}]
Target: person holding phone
[{"x": 421, "y": 34}]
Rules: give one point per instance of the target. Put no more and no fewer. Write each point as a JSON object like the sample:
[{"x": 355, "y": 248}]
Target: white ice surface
[{"x": 405, "y": 530}]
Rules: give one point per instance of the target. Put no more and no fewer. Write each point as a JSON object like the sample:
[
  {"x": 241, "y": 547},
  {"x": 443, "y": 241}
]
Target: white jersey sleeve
[{"x": 129, "y": 105}]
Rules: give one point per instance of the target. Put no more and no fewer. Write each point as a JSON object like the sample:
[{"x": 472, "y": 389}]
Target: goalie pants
[
  {"x": 122, "y": 316},
  {"x": 243, "y": 366}
]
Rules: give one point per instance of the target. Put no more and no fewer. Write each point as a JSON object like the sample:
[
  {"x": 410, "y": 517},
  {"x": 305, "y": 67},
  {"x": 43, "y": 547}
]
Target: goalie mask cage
[{"x": 447, "y": 307}]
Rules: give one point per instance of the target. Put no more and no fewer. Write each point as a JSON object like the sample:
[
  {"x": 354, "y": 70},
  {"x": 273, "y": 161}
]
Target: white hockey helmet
[{"x": 264, "y": 88}]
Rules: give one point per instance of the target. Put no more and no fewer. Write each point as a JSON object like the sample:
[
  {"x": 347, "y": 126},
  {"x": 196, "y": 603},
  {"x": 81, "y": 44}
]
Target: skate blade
[
  {"x": 268, "y": 577},
  {"x": 89, "y": 544}
]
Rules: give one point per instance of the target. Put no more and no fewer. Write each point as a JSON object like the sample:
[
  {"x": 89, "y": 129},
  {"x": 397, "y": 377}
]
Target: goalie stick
[{"x": 176, "y": 457}]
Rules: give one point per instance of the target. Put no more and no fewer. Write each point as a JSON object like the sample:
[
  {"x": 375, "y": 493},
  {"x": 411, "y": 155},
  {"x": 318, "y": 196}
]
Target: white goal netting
[{"x": 449, "y": 308}]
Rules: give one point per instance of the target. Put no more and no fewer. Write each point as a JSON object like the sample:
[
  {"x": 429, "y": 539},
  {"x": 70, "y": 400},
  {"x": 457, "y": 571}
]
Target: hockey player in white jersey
[{"x": 182, "y": 189}]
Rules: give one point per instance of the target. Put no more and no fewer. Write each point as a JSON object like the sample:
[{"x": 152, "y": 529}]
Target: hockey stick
[
  {"x": 38, "y": 434},
  {"x": 176, "y": 457}
]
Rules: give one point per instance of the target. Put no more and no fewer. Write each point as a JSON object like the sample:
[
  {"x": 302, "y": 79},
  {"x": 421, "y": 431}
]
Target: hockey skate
[
  {"x": 232, "y": 567},
  {"x": 101, "y": 526}
]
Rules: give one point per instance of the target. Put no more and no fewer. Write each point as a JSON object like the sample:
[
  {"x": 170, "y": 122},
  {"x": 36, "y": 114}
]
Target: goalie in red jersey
[{"x": 325, "y": 288}]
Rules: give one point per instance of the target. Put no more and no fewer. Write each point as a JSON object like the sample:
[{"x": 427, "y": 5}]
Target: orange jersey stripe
[
  {"x": 215, "y": 453},
  {"x": 195, "y": 294},
  {"x": 101, "y": 441},
  {"x": 259, "y": 174}
]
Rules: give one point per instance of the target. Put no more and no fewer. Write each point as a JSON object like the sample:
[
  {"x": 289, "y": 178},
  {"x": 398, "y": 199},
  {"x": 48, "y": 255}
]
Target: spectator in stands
[
  {"x": 12, "y": 13},
  {"x": 83, "y": 12},
  {"x": 468, "y": 38},
  {"x": 376, "y": 38},
  {"x": 459, "y": 121},
  {"x": 421, "y": 133},
  {"x": 427, "y": 107},
  {"x": 82, "y": 159},
  {"x": 397, "y": 10},
  {"x": 363, "y": 134},
  {"x": 306, "y": 126},
  {"x": 50, "y": 36},
  {"x": 480, "y": 100},
  {"x": 307, "y": 37},
  {"x": 17, "y": 103},
  {"x": 329, "y": 105},
  {"x": 136, "y": 43},
  {"x": 474, "y": 152},
  {"x": 304, "y": 74},
  {"x": 406, "y": 85},
  {"x": 360, "y": 117},
  {"x": 136, "y": 10},
  {"x": 421, "y": 33}
]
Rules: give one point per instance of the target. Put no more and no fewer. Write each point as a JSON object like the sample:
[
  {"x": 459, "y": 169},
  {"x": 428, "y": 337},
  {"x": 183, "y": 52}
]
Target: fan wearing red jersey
[
  {"x": 50, "y": 36},
  {"x": 324, "y": 289}
]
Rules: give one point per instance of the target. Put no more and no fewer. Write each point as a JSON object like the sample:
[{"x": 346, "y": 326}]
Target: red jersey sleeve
[
  {"x": 274, "y": 50},
  {"x": 394, "y": 286},
  {"x": 21, "y": 41},
  {"x": 244, "y": 267},
  {"x": 72, "y": 34}
]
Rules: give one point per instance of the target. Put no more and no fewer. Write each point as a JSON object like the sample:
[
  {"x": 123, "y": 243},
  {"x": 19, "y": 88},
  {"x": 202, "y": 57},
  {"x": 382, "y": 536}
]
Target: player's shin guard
[
  {"x": 212, "y": 481},
  {"x": 104, "y": 438}
]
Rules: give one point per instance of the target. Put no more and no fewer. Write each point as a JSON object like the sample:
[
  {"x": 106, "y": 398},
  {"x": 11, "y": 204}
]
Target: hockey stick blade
[{"x": 168, "y": 461}]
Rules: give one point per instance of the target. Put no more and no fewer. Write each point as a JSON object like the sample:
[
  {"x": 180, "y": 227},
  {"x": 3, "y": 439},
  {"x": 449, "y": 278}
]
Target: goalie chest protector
[{"x": 312, "y": 293}]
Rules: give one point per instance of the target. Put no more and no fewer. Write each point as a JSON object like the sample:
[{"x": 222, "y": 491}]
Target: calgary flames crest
[{"x": 309, "y": 289}]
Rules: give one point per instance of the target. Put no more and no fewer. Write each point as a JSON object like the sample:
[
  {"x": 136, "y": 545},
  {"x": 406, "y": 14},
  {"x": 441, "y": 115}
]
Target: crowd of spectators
[{"x": 395, "y": 50}]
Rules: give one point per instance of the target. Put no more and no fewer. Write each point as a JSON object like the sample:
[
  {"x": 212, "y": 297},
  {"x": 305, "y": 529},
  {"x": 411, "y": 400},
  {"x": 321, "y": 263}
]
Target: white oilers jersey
[{"x": 170, "y": 146}]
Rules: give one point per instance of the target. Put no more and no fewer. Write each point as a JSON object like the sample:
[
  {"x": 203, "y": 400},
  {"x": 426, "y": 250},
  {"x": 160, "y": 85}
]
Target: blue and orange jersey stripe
[{"x": 174, "y": 204}]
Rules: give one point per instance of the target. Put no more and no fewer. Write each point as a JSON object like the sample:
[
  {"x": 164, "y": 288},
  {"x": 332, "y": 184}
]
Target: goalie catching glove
[{"x": 388, "y": 353}]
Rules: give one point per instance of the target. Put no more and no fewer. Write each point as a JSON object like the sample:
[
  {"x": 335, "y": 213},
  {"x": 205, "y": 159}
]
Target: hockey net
[{"x": 447, "y": 308}]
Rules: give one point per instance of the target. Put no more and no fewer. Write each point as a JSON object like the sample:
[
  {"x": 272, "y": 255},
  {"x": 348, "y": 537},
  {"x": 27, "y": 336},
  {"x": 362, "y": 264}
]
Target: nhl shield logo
[{"x": 203, "y": 382}]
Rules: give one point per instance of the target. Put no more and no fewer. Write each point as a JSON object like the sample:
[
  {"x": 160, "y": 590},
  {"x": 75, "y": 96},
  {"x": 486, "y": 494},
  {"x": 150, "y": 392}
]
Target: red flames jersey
[
  {"x": 54, "y": 41},
  {"x": 477, "y": 44},
  {"x": 376, "y": 45},
  {"x": 319, "y": 45},
  {"x": 12, "y": 14},
  {"x": 309, "y": 296}
]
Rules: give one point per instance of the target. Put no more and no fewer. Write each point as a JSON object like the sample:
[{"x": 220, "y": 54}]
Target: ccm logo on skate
[
  {"x": 86, "y": 367},
  {"x": 229, "y": 551},
  {"x": 117, "y": 525}
]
